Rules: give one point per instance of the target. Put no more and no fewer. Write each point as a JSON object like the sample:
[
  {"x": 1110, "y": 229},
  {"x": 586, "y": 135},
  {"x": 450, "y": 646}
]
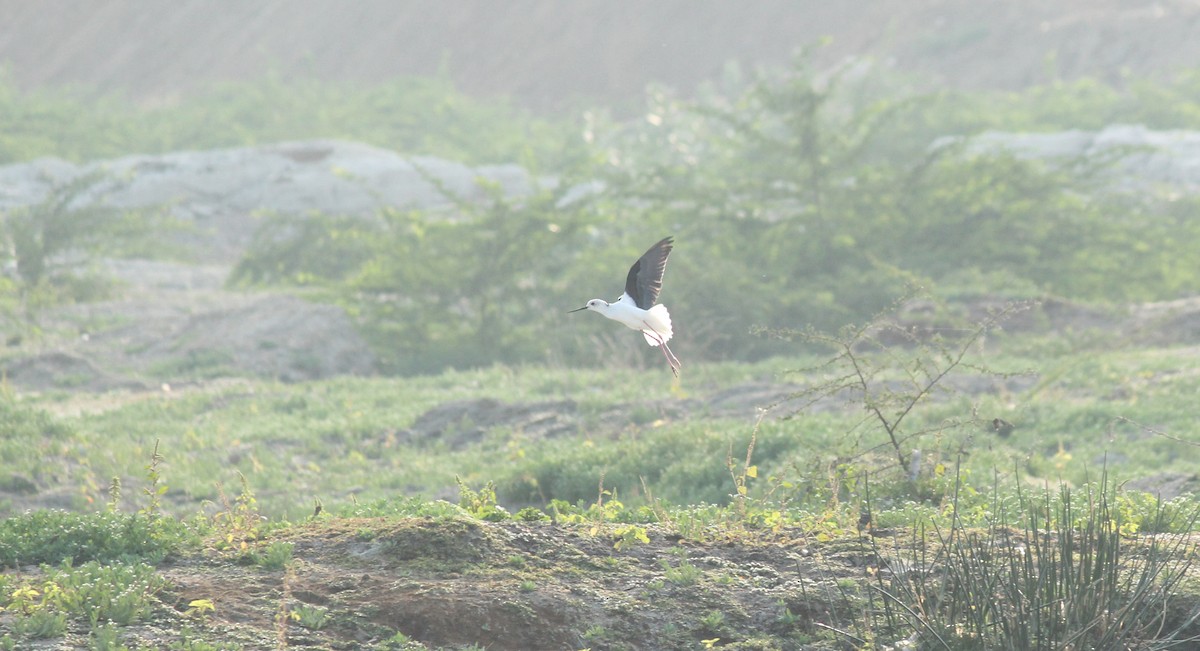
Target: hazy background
[
  {"x": 273, "y": 258},
  {"x": 554, "y": 54},
  {"x": 200, "y": 189}
]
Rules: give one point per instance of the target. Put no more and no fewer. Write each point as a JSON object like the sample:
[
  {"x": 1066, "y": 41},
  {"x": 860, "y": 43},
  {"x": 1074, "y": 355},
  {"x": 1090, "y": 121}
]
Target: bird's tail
[{"x": 659, "y": 320}]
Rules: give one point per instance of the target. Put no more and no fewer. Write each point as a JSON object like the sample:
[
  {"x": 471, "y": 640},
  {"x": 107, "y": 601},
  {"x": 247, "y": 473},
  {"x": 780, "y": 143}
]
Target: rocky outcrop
[
  {"x": 1129, "y": 157},
  {"x": 220, "y": 193},
  {"x": 176, "y": 322}
]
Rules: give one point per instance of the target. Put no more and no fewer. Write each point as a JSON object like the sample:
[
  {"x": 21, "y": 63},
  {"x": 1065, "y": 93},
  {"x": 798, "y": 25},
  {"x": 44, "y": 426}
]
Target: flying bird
[{"x": 636, "y": 308}]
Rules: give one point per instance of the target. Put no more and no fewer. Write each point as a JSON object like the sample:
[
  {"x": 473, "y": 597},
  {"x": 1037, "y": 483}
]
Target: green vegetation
[
  {"x": 275, "y": 556},
  {"x": 1073, "y": 577},
  {"x": 842, "y": 207},
  {"x": 53, "y": 536},
  {"x": 354, "y": 438},
  {"x": 117, "y": 594},
  {"x": 831, "y": 183},
  {"x": 44, "y": 244}
]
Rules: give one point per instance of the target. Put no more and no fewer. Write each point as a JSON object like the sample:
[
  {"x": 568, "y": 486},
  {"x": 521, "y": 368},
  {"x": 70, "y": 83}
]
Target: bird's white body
[
  {"x": 637, "y": 308},
  {"x": 654, "y": 323}
]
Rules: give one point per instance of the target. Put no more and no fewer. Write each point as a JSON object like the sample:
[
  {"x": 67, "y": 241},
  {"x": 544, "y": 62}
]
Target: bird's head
[{"x": 594, "y": 304}]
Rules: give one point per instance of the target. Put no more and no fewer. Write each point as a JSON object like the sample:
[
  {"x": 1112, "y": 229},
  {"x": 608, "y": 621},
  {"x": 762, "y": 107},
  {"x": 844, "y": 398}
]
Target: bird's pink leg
[{"x": 672, "y": 361}]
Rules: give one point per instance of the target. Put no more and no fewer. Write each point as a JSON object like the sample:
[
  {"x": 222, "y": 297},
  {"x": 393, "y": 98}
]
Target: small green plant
[
  {"x": 786, "y": 617},
  {"x": 200, "y": 609},
  {"x": 682, "y": 574},
  {"x": 743, "y": 474},
  {"x": 40, "y": 624},
  {"x": 311, "y": 617},
  {"x": 276, "y": 556},
  {"x": 106, "y": 637},
  {"x": 406, "y": 507},
  {"x": 40, "y": 620},
  {"x": 114, "y": 493},
  {"x": 117, "y": 593},
  {"x": 531, "y": 514},
  {"x": 25, "y": 599},
  {"x": 482, "y": 503},
  {"x": 713, "y": 621},
  {"x": 239, "y": 523},
  {"x": 596, "y": 633},
  {"x": 154, "y": 489},
  {"x": 191, "y": 640},
  {"x": 628, "y": 536},
  {"x": 527, "y": 586}
]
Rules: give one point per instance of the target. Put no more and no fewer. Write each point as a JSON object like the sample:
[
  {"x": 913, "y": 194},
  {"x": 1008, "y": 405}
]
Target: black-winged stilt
[{"x": 636, "y": 308}]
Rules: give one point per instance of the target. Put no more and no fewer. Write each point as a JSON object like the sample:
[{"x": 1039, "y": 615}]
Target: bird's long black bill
[{"x": 580, "y": 309}]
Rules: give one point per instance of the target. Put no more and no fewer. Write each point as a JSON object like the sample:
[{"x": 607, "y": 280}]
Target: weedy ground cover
[{"x": 353, "y": 439}]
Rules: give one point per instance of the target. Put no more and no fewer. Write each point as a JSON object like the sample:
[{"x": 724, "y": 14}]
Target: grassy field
[
  {"x": 588, "y": 487},
  {"x": 557, "y": 434}
]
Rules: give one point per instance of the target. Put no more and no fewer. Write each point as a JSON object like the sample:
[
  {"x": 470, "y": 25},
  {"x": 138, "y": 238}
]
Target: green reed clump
[{"x": 1064, "y": 571}]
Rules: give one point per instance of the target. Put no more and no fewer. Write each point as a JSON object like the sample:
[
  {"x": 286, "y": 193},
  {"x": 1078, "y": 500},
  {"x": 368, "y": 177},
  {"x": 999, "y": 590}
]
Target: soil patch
[{"x": 509, "y": 586}]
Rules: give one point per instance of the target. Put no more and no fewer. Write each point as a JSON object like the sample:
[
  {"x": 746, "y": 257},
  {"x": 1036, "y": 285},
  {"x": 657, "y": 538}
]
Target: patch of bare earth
[
  {"x": 510, "y": 586},
  {"x": 518, "y": 586}
]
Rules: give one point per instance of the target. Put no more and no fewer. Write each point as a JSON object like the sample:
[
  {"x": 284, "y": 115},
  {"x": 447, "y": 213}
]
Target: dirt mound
[
  {"x": 1165, "y": 323},
  {"x": 464, "y": 422},
  {"x": 175, "y": 324},
  {"x": 1166, "y": 485},
  {"x": 275, "y": 336},
  {"x": 62, "y": 370},
  {"x": 517, "y": 586}
]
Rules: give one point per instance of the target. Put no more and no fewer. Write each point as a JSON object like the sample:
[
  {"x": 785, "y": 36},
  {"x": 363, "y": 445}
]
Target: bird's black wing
[{"x": 645, "y": 276}]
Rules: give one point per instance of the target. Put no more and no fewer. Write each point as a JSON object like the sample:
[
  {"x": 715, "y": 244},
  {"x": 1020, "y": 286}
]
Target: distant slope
[{"x": 545, "y": 53}]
